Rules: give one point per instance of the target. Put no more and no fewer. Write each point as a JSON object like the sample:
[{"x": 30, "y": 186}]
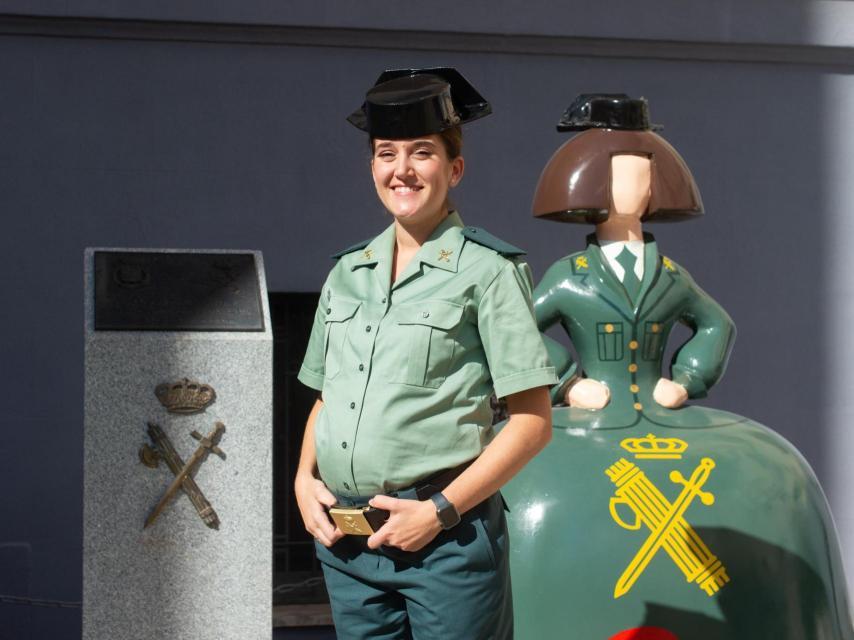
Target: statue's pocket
[
  {"x": 339, "y": 313},
  {"x": 426, "y": 336},
  {"x": 653, "y": 337},
  {"x": 609, "y": 336}
]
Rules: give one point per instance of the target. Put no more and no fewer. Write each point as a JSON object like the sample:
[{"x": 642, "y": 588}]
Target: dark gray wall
[{"x": 126, "y": 127}]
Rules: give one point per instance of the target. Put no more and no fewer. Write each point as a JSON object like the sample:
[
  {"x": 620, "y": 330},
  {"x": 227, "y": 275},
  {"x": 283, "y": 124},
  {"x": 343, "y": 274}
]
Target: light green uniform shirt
[{"x": 407, "y": 371}]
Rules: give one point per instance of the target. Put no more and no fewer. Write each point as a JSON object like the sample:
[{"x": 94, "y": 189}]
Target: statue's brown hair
[{"x": 575, "y": 185}]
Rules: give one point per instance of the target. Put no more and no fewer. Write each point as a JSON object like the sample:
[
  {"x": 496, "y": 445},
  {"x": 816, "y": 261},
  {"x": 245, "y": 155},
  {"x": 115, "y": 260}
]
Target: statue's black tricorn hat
[
  {"x": 406, "y": 103},
  {"x": 607, "y": 111}
]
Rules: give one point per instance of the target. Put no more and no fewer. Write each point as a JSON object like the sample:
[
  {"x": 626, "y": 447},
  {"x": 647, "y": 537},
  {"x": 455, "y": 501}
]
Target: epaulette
[
  {"x": 478, "y": 235},
  {"x": 355, "y": 247}
]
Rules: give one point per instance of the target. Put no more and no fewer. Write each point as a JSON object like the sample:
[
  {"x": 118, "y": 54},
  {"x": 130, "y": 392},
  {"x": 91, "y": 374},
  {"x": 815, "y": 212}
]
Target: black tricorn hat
[
  {"x": 607, "y": 111},
  {"x": 406, "y": 103}
]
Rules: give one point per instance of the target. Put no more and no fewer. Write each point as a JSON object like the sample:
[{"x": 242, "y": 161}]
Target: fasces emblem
[
  {"x": 163, "y": 449},
  {"x": 668, "y": 528}
]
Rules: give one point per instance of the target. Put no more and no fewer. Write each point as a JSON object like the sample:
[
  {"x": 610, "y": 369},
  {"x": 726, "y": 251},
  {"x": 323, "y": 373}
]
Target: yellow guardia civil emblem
[{"x": 665, "y": 520}]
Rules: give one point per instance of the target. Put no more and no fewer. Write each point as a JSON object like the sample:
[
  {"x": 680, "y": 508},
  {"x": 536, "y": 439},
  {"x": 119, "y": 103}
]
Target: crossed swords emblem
[
  {"x": 163, "y": 449},
  {"x": 668, "y": 528}
]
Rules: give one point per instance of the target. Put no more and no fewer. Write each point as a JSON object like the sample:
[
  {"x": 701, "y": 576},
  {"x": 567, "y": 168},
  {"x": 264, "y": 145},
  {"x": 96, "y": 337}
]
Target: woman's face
[{"x": 412, "y": 177}]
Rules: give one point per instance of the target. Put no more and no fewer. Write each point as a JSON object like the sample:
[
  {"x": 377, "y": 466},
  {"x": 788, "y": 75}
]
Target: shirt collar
[
  {"x": 441, "y": 249},
  {"x": 613, "y": 248},
  {"x": 380, "y": 249}
]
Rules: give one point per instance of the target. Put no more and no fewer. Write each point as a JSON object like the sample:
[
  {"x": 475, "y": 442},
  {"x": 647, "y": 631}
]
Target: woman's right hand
[
  {"x": 586, "y": 393},
  {"x": 313, "y": 498}
]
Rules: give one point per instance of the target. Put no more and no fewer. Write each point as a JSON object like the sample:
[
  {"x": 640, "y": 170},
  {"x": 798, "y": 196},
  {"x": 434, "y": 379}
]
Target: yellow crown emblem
[
  {"x": 185, "y": 396},
  {"x": 651, "y": 447}
]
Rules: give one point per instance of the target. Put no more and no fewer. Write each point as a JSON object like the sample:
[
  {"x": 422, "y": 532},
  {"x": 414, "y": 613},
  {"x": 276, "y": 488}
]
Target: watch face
[
  {"x": 449, "y": 517},
  {"x": 445, "y": 511}
]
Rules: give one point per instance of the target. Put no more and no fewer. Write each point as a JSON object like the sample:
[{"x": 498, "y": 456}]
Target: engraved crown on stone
[
  {"x": 185, "y": 396},
  {"x": 652, "y": 447}
]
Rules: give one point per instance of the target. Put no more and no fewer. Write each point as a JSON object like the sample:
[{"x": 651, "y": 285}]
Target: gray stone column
[{"x": 179, "y": 578}]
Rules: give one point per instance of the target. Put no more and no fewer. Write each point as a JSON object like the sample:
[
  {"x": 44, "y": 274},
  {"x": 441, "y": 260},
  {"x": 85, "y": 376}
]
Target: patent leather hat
[
  {"x": 406, "y": 103},
  {"x": 607, "y": 111}
]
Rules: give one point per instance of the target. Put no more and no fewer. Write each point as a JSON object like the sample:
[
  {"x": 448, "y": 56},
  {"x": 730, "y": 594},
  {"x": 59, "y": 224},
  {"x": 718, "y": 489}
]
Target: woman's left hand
[
  {"x": 411, "y": 524},
  {"x": 669, "y": 394}
]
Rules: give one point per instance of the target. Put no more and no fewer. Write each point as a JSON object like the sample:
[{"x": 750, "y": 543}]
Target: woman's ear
[{"x": 458, "y": 168}]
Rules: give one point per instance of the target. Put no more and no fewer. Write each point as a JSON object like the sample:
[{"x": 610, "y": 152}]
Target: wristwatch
[{"x": 445, "y": 511}]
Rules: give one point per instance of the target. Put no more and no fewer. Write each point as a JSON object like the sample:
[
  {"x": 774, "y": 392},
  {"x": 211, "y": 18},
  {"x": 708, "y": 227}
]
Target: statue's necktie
[{"x": 631, "y": 283}]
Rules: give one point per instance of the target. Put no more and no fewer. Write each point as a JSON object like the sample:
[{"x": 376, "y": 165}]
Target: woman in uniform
[{"x": 415, "y": 331}]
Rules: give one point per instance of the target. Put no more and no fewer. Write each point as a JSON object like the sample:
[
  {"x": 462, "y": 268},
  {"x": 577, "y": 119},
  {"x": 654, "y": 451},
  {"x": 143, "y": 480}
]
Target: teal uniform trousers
[{"x": 455, "y": 588}]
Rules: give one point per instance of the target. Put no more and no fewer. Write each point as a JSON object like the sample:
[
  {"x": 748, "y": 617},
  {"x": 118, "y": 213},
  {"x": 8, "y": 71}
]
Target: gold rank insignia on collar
[
  {"x": 445, "y": 255},
  {"x": 668, "y": 263},
  {"x": 579, "y": 264},
  {"x": 368, "y": 254}
]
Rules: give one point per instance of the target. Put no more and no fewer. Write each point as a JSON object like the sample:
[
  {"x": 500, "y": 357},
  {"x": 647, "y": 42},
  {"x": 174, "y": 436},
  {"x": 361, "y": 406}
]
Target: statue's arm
[
  {"x": 702, "y": 360},
  {"x": 551, "y": 303}
]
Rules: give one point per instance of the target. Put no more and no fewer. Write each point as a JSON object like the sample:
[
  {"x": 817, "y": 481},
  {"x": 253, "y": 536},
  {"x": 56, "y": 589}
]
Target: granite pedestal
[{"x": 179, "y": 578}]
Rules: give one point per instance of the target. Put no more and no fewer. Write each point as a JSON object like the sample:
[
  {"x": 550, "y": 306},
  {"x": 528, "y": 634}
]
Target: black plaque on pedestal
[{"x": 149, "y": 291}]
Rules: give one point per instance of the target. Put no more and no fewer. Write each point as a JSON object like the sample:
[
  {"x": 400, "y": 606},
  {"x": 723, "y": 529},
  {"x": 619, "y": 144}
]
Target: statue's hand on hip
[
  {"x": 587, "y": 393},
  {"x": 669, "y": 394}
]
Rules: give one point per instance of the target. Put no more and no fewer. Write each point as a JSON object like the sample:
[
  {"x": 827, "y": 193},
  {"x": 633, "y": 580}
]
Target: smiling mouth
[{"x": 405, "y": 190}]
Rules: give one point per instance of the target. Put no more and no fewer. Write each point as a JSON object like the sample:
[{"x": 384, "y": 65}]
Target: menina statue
[{"x": 647, "y": 518}]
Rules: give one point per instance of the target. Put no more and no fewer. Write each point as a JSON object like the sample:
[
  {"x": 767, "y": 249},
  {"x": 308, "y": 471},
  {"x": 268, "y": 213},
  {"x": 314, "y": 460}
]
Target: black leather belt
[{"x": 364, "y": 519}]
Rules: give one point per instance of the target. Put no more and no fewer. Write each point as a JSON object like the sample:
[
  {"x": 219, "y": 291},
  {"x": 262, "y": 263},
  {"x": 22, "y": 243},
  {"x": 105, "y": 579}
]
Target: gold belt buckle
[{"x": 351, "y": 520}]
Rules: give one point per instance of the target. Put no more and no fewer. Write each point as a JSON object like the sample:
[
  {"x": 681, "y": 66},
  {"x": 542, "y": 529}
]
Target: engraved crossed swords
[
  {"x": 164, "y": 450},
  {"x": 668, "y": 528}
]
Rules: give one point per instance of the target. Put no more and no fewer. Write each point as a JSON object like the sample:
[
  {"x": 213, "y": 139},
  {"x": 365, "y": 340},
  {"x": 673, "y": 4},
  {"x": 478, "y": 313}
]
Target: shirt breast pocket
[
  {"x": 339, "y": 313},
  {"x": 426, "y": 337}
]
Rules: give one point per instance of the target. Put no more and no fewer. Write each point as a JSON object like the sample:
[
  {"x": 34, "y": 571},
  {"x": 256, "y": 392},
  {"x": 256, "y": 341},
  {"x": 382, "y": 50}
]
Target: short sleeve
[
  {"x": 514, "y": 350},
  {"x": 312, "y": 371}
]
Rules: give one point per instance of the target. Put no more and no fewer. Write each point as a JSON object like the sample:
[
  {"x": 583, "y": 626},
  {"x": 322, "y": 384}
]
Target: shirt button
[
  {"x": 638, "y": 406},
  {"x": 633, "y": 367},
  {"x": 634, "y": 388},
  {"x": 383, "y": 300},
  {"x": 368, "y": 328},
  {"x": 346, "y": 486},
  {"x": 328, "y": 310},
  {"x": 352, "y": 405},
  {"x": 361, "y": 367},
  {"x": 633, "y": 345},
  {"x": 425, "y": 314},
  {"x": 343, "y": 445}
]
